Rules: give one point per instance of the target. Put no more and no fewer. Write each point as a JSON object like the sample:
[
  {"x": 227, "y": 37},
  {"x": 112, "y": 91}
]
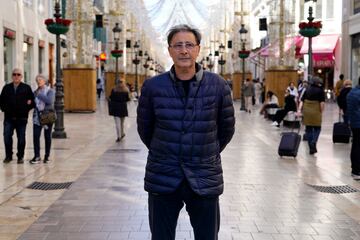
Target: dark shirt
[
  {"x": 186, "y": 84},
  {"x": 314, "y": 93},
  {"x": 341, "y": 99},
  {"x": 290, "y": 104}
]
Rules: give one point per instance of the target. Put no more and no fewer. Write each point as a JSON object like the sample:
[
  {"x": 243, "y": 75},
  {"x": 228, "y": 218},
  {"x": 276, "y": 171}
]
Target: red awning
[
  {"x": 322, "y": 44},
  {"x": 323, "y": 47}
]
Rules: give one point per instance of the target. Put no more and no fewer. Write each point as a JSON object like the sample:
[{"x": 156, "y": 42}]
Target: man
[
  {"x": 185, "y": 118},
  {"x": 341, "y": 99},
  {"x": 16, "y": 99},
  {"x": 353, "y": 112},
  {"x": 339, "y": 85}
]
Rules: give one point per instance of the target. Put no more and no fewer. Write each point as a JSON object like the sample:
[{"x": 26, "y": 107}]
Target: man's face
[
  {"x": 184, "y": 49},
  {"x": 16, "y": 77}
]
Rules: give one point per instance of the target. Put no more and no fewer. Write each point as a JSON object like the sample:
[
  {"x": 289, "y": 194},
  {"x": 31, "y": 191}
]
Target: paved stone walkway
[{"x": 266, "y": 197}]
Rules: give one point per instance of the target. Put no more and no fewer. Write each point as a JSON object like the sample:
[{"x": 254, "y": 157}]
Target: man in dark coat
[
  {"x": 16, "y": 99},
  {"x": 353, "y": 112},
  {"x": 185, "y": 118}
]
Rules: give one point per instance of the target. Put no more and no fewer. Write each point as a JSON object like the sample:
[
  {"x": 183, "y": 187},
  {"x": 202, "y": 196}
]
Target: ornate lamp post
[
  {"x": 243, "y": 54},
  {"x": 210, "y": 64},
  {"x": 136, "y": 61},
  {"x": 222, "y": 61},
  {"x": 310, "y": 29},
  {"x": 58, "y": 26},
  {"x": 116, "y": 53}
]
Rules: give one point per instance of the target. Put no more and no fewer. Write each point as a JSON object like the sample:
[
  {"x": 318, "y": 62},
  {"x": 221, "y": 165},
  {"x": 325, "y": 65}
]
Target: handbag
[{"x": 47, "y": 116}]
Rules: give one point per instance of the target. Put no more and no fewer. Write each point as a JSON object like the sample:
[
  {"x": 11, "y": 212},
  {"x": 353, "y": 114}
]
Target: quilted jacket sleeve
[
  {"x": 226, "y": 119},
  {"x": 145, "y": 115}
]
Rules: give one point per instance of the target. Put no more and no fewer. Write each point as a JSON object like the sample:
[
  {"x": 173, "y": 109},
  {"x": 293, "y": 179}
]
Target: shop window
[
  {"x": 27, "y": 49},
  {"x": 355, "y": 57},
  {"x": 356, "y": 6},
  {"x": 8, "y": 58},
  {"x": 41, "y": 59}
]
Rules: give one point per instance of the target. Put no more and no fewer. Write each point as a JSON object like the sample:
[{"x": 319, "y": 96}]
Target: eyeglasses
[
  {"x": 16, "y": 74},
  {"x": 179, "y": 46}
]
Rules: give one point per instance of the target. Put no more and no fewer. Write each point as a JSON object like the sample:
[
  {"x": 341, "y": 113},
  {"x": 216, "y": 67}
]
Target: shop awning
[
  {"x": 273, "y": 48},
  {"x": 321, "y": 44},
  {"x": 323, "y": 47}
]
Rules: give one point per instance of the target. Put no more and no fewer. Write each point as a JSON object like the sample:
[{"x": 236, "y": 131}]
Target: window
[
  {"x": 302, "y": 10},
  {"x": 8, "y": 58},
  {"x": 330, "y": 9},
  {"x": 356, "y": 6},
  {"x": 41, "y": 6},
  {"x": 318, "y": 12},
  {"x": 28, "y": 3},
  {"x": 41, "y": 59}
]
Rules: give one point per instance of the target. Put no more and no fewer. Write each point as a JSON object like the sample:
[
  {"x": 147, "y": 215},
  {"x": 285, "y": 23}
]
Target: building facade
[
  {"x": 351, "y": 40},
  {"x": 327, "y": 57},
  {"x": 25, "y": 42}
]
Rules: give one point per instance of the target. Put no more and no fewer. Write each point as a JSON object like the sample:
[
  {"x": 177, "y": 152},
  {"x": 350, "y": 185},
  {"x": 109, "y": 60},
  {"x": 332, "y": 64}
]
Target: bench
[
  {"x": 271, "y": 113},
  {"x": 291, "y": 120}
]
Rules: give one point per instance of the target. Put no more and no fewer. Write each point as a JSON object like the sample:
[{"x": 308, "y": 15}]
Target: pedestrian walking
[
  {"x": 353, "y": 112},
  {"x": 44, "y": 101},
  {"x": 16, "y": 99},
  {"x": 185, "y": 118},
  {"x": 249, "y": 92},
  {"x": 312, "y": 106},
  {"x": 339, "y": 85},
  {"x": 341, "y": 99},
  {"x": 99, "y": 88},
  {"x": 118, "y": 107}
]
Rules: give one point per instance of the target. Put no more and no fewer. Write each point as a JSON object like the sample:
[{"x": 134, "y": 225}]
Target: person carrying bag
[{"x": 44, "y": 116}]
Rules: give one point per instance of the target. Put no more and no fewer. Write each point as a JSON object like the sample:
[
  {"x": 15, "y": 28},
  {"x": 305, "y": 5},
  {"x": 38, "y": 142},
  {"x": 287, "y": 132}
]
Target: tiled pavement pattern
[{"x": 266, "y": 197}]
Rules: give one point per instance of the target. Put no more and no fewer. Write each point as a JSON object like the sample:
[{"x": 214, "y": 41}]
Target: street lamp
[
  {"x": 210, "y": 62},
  {"x": 116, "y": 53},
  {"x": 58, "y": 26},
  {"x": 310, "y": 29},
  {"x": 136, "y": 61},
  {"x": 243, "y": 53},
  {"x": 222, "y": 61}
]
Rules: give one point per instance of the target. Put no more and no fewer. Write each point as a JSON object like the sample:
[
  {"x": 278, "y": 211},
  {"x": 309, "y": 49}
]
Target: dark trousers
[
  {"x": 164, "y": 211},
  {"x": 36, "y": 139},
  {"x": 355, "y": 151},
  {"x": 279, "y": 115},
  {"x": 19, "y": 125},
  {"x": 98, "y": 91},
  {"x": 312, "y": 134}
]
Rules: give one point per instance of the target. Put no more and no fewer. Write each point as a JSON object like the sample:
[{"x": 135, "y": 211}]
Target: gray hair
[
  {"x": 41, "y": 77},
  {"x": 17, "y": 70},
  {"x": 316, "y": 80},
  {"x": 183, "y": 28}
]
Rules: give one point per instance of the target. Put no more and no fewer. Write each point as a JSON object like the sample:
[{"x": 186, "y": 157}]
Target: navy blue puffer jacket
[
  {"x": 353, "y": 107},
  {"x": 185, "y": 135}
]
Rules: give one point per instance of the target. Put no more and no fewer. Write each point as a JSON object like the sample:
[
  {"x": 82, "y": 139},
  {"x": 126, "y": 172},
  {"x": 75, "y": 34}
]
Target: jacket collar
[{"x": 199, "y": 72}]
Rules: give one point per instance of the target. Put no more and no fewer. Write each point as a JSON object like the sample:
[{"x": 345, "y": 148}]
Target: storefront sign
[
  {"x": 29, "y": 40},
  {"x": 9, "y": 33},
  {"x": 324, "y": 63},
  {"x": 41, "y": 43}
]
